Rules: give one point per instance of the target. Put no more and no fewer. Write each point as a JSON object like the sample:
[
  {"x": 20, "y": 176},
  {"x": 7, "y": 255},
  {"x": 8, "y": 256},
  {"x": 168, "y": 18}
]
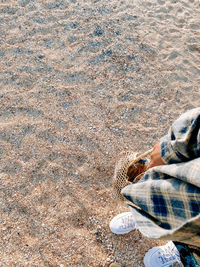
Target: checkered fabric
[{"x": 166, "y": 201}]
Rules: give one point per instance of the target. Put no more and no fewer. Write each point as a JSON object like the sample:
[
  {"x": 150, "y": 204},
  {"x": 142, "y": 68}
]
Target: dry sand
[{"x": 82, "y": 81}]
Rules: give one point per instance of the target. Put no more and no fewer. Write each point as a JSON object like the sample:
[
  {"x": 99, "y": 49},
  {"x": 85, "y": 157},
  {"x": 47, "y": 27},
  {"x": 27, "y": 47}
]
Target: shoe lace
[
  {"x": 168, "y": 255},
  {"x": 127, "y": 222}
]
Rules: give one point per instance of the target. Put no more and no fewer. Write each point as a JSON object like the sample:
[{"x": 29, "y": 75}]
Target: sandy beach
[{"x": 80, "y": 82}]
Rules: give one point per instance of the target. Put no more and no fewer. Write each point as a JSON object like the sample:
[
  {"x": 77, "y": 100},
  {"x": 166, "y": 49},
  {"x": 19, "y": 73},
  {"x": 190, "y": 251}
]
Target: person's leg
[{"x": 190, "y": 256}]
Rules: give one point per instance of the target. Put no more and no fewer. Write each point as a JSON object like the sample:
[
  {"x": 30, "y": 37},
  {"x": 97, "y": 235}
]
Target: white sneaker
[
  {"x": 163, "y": 256},
  {"x": 122, "y": 223}
]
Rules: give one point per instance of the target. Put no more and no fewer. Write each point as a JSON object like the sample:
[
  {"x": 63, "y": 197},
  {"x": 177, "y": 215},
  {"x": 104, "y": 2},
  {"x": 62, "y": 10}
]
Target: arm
[
  {"x": 156, "y": 159},
  {"x": 182, "y": 143}
]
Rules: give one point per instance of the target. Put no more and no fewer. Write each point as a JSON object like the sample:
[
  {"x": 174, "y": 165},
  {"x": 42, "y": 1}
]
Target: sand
[{"x": 82, "y": 81}]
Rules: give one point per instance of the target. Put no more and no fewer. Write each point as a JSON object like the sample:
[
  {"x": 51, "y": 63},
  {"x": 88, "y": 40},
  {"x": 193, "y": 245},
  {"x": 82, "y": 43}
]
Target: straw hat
[{"x": 129, "y": 168}]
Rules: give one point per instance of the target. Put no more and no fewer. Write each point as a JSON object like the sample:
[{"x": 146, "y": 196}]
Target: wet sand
[{"x": 82, "y": 81}]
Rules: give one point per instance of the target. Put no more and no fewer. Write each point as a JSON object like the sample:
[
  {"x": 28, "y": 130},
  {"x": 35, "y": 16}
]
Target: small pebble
[{"x": 115, "y": 264}]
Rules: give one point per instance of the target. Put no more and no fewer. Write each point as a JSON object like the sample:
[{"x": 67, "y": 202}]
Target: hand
[{"x": 156, "y": 159}]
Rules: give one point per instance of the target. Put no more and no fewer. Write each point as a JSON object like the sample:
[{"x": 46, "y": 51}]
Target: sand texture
[{"x": 80, "y": 82}]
